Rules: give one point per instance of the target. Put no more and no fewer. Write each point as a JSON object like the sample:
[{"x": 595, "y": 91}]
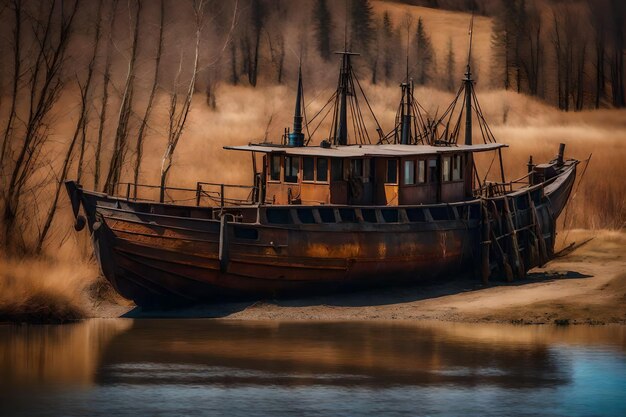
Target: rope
[{"x": 582, "y": 175}]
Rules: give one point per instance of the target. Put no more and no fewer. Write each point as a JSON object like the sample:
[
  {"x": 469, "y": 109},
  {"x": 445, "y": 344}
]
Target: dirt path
[{"x": 587, "y": 286}]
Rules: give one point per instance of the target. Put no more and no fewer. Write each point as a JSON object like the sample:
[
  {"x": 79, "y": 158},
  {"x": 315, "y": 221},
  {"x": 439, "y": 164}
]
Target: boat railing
[
  {"x": 495, "y": 189},
  {"x": 204, "y": 194}
]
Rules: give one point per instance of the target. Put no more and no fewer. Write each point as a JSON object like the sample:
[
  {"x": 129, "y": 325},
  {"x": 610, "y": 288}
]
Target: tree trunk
[
  {"x": 121, "y": 134},
  {"x": 146, "y": 116},
  {"x": 85, "y": 92},
  {"x": 45, "y": 87},
  {"x": 177, "y": 120},
  {"x": 17, "y": 60}
]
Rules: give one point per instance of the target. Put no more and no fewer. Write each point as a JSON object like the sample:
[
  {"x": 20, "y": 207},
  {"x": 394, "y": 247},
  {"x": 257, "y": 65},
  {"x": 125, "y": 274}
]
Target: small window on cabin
[
  {"x": 456, "y": 168},
  {"x": 292, "y": 166},
  {"x": 446, "y": 168},
  {"x": 275, "y": 168},
  {"x": 421, "y": 171},
  {"x": 308, "y": 167},
  {"x": 356, "y": 168},
  {"x": 336, "y": 167},
  {"x": 409, "y": 172},
  {"x": 392, "y": 171},
  {"x": 432, "y": 171},
  {"x": 322, "y": 169}
]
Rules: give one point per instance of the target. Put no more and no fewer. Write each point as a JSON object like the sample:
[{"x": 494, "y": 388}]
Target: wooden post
[
  {"x": 501, "y": 165},
  {"x": 485, "y": 244},
  {"x": 223, "y": 243},
  {"x": 505, "y": 267},
  {"x": 543, "y": 251},
  {"x": 531, "y": 168},
  {"x": 517, "y": 258},
  {"x": 198, "y": 193}
]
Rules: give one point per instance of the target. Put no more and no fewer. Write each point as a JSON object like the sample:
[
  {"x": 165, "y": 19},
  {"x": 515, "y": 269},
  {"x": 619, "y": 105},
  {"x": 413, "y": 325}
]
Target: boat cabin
[{"x": 381, "y": 175}]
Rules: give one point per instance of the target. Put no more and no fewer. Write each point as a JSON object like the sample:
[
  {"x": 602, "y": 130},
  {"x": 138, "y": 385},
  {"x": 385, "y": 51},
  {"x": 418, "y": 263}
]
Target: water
[{"x": 229, "y": 368}]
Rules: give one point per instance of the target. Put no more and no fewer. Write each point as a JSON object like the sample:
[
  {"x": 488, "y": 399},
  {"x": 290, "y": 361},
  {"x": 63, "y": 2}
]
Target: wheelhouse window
[
  {"x": 421, "y": 171},
  {"x": 308, "y": 168},
  {"x": 432, "y": 170},
  {"x": 409, "y": 172},
  {"x": 322, "y": 170},
  {"x": 292, "y": 166},
  {"x": 356, "y": 168},
  {"x": 275, "y": 167},
  {"x": 392, "y": 171},
  {"x": 457, "y": 172},
  {"x": 445, "y": 175},
  {"x": 336, "y": 169}
]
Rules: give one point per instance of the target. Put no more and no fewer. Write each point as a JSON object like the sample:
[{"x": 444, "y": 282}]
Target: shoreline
[{"x": 584, "y": 285}]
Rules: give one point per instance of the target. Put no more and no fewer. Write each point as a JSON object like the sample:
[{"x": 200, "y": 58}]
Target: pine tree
[
  {"x": 388, "y": 52},
  {"x": 323, "y": 26},
  {"x": 450, "y": 67},
  {"x": 425, "y": 55},
  {"x": 362, "y": 30}
]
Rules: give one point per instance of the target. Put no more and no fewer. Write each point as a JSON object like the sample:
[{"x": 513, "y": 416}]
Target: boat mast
[
  {"x": 341, "y": 131},
  {"x": 346, "y": 100},
  {"x": 296, "y": 138},
  {"x": 469, "y": 84},
  {"x": 341, "y": 134},
  {"x": 405, "y": 130}
]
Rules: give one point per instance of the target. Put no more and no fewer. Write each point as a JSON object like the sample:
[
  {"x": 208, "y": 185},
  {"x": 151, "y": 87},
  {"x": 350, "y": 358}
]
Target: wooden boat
[{"x": 333, "y": 217}]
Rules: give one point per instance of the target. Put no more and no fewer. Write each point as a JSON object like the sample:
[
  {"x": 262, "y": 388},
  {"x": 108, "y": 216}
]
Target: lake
[{"x": 188, "y": 367}]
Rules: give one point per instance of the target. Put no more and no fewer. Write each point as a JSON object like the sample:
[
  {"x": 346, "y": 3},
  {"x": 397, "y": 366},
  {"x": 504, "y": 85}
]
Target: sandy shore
[{"x": 585, "y": 286}]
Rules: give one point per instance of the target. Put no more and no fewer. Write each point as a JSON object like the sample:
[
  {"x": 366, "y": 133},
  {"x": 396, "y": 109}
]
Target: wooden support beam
[
  {"x": 485, "y": 244},
  {"x": 517, "y": 258},
  {"x": 543, "y": 251}
]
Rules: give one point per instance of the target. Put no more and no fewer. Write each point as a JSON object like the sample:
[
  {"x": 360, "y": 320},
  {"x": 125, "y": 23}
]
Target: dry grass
[{"x": 38, "y": 290}]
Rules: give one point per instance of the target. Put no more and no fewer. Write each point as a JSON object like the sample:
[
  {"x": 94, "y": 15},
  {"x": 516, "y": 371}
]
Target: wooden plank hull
[{"x": 160, "y": 255}]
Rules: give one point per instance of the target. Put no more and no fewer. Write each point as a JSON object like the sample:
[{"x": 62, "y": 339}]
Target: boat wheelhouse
[{"x": 378, "y": 175}]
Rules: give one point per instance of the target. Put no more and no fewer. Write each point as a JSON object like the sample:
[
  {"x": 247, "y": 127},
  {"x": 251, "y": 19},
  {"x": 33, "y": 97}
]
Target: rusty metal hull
[{"x": 162, "y": 255}]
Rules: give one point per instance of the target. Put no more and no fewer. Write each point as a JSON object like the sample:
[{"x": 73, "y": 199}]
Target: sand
[{"x": 586, "y": 285}]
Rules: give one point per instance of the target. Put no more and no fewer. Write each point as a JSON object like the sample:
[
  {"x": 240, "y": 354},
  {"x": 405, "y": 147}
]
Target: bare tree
[
  {"x": 178, "y": 112},
  {"x": 121, "y": 134},
  {"x": 17, "y": 64},
  {"x": 276, "y": 44},
  {"x": 616, "y": 58},
  {"x": 43, "y": 88},
  {"x": 599, "y": 14},
  {"x": 234, "y": 77},
  {"x": 80, "y": 131},
  {"x": 258, "y": 16},
  {"x": 146, "y": 116},
  {"x": 106, "y": 79},
  {"x": 211, "y": 88},
  {"x": 86, "y": 93},
  {"x": 530, "y": 46}
]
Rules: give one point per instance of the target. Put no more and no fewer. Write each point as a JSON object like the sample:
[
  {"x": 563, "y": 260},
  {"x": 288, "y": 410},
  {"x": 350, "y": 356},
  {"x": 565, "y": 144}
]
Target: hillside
[{"x": 444, "y": 26}]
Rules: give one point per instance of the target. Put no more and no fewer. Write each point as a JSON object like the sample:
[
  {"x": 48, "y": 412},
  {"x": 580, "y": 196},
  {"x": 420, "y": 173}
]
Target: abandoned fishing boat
[{"x": 351, "y": 212}]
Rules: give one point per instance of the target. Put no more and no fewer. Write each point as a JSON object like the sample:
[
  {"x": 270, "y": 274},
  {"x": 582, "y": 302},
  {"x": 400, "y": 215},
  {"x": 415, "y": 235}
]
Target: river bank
[{"x": 586, "y": 285}]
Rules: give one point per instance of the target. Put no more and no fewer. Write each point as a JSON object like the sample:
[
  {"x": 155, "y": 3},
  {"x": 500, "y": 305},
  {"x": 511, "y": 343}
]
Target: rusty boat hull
[{"x": 166, "y": 255}]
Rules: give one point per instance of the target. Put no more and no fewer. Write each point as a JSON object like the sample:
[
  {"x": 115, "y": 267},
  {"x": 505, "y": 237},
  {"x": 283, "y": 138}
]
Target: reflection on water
[{"x": 233, "y": 368}]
